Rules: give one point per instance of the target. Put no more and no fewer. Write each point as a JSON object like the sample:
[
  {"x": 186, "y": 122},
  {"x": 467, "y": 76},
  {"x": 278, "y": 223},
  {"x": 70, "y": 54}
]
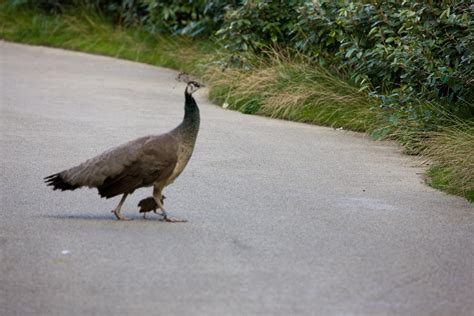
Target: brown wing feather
[
  {"x": 133, "y": 178},
  {"x": 127, "y": 167}
]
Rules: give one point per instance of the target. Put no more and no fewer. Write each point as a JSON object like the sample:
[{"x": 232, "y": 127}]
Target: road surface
[{"x": 284, "y": 218}]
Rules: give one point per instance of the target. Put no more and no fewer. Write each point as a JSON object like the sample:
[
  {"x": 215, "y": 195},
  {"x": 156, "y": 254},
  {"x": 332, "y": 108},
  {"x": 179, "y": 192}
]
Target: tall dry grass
[
  {"x": 452, "y": 151},
  {"x": 291, "y": 88}
]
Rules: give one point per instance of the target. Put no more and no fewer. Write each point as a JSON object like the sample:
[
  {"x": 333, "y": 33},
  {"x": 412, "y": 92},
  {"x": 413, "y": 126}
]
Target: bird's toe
[
  {"x": 119, "y": 216},
  {"x": 170, "y": 219}
]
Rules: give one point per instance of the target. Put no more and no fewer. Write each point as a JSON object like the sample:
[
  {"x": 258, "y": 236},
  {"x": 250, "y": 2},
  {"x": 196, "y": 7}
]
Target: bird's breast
[{"x": 184, "y": 154}]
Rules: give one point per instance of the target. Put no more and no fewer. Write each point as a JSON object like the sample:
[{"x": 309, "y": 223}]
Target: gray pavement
[{"x": 284, "y": 218}]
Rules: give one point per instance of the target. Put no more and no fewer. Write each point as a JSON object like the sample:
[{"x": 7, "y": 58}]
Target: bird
[
  {"x": 155, "y": 160},
  {"x": 148, "y": 204}
]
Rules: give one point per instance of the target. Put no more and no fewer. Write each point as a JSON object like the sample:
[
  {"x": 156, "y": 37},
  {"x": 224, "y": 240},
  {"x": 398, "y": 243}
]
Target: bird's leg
[
  {"x": 159, "y": 201},
  {"x": 116, "y": 211},
  {"x": 162, "y": 203},
  {"x": 158, "y": 197}
]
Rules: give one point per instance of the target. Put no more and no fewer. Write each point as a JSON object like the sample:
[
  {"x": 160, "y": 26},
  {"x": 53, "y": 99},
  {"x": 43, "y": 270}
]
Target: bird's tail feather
[{"x": 58, "y": 183}]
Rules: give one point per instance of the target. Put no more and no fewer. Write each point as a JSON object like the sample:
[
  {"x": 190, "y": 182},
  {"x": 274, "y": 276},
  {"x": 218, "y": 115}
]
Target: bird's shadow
[{"x": 101, "y": 217}]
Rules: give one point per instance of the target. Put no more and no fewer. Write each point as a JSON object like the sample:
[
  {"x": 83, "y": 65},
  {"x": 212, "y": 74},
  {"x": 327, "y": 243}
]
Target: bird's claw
[{"x": 169, "y": 219}]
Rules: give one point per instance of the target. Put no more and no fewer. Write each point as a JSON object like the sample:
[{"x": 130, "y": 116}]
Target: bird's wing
[
  {"x": 155, "y": 163},
  {"x": 135, "y": 162}
]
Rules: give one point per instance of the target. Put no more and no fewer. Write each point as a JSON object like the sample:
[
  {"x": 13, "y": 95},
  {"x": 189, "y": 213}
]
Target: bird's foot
[
  {"x": 160, "y": 213},
  {"x": 119, "y": 216},
  {"x": 169, "y": 219}
]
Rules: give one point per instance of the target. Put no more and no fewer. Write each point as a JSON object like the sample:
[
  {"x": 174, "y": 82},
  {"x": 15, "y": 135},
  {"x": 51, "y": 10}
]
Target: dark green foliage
[
  {"x": 188, "y": 17},
  {"x": 193, "y": 18},
  {"x": 401, "y": 51},
  {"x": 254, "y": 25}
]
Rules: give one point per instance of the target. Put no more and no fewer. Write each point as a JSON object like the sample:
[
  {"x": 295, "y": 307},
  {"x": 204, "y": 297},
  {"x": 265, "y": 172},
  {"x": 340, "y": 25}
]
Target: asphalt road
[{"x": 284, "y": 218}]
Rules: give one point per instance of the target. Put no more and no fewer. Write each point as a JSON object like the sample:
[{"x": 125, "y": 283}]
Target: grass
[
  {"x": 441, "y": 178},
  {"x": 291, "y": 88},
  {"x": 452, "y": 150},
  {"x": 90, "y": 32},
  {"x": 276, "y": 84}
]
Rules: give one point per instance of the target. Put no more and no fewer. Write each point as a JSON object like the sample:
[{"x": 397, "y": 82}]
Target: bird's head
[
  {"x": 193, "y": 86},
  {"x": 183, "y": 77}
]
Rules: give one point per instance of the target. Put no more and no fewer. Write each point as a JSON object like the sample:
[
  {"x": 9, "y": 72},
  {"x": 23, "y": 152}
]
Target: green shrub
[
  {"x": 402, "y": 51},
  {"x": 254, "y": 25},
  {"x": 187, "y": 17}
]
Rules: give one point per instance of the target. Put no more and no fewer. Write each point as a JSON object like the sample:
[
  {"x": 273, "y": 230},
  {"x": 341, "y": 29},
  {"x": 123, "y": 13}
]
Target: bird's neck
[{"x": 191, "y": 118}]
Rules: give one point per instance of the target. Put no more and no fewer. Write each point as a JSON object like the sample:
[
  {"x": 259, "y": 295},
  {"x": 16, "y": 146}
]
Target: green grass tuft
[
  {"x": 452, "y": 150},
  {"x": 442, "y": 178},
  {"x": 91, "y": 32}
]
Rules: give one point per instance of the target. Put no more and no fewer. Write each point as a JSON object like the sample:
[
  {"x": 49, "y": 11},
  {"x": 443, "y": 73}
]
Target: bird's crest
[{"x": 192, "y": 85}]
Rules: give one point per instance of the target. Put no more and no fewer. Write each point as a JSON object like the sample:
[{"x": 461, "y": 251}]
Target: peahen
[{"x": 155, "y": 160}]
